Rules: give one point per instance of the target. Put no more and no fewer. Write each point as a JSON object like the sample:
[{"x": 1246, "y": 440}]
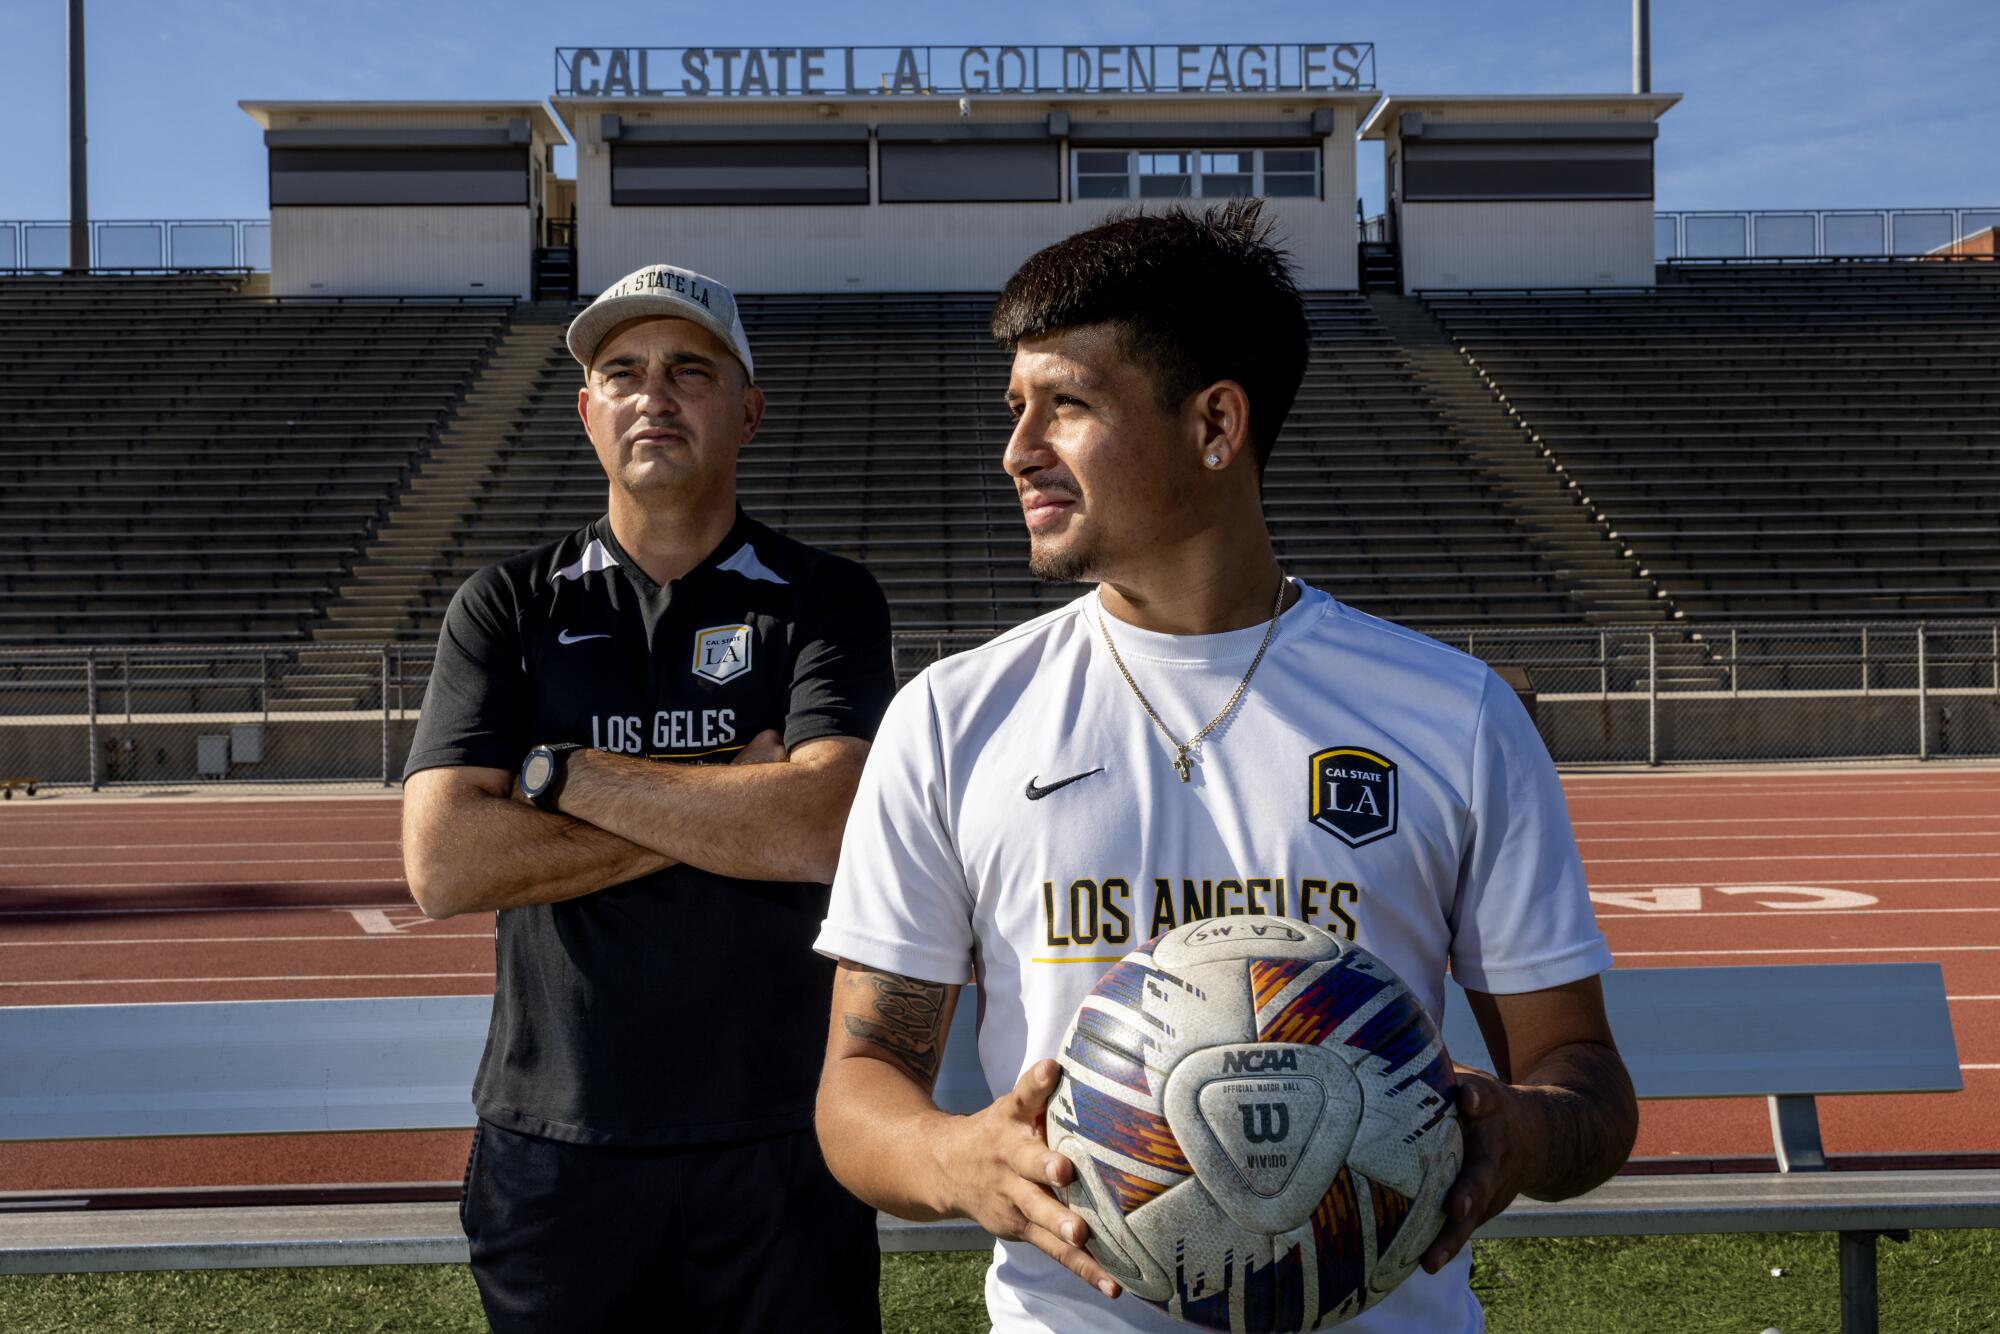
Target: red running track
[{"x": 172, "y": 900}]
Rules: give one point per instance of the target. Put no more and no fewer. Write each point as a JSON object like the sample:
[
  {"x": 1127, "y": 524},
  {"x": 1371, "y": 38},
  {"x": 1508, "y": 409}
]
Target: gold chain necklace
[{"x": 1186, "y": 752}]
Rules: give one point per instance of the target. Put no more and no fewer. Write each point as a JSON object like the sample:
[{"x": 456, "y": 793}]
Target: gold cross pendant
[{"x": 1181, "y": 763}]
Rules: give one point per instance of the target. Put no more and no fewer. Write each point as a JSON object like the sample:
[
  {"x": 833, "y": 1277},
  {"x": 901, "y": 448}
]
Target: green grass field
[{"x": 1944, "y": 1282}]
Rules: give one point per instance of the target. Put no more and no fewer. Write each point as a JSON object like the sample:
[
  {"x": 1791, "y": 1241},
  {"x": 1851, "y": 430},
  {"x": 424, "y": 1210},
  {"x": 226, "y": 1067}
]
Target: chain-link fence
[
  {"x": 1665, "y": 694},
  {"x": 150, "y": 717},
  {"x": 1682, "y": 694}
]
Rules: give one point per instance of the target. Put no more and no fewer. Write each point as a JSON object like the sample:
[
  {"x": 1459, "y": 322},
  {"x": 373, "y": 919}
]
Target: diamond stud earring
[{"x": 1214, "y": 460}]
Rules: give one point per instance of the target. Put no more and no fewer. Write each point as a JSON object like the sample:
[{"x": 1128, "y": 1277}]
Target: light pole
[
  {"x": 79, "y": 159},
  {"x": 1642, "y": 46}
]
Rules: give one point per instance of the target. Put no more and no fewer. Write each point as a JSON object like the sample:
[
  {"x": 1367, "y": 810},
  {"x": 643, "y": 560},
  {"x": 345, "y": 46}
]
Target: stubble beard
[
  {"x": 681, "y": 470},
  {"x": 1067, "y": 565}
]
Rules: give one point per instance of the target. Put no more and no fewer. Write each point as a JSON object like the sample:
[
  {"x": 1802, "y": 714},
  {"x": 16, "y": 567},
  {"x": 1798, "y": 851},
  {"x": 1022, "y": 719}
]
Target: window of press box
[
  {"x": 1194, "y": 173},
  {"x": 739, "y": 173},
  {"x": 1538, "y": 169},
  {"x": 350, "y": 176},
  {"x": 915, "y": 173}
]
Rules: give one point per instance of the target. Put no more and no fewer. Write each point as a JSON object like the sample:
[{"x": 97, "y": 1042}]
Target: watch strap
[{"x": 551, "y": 791}]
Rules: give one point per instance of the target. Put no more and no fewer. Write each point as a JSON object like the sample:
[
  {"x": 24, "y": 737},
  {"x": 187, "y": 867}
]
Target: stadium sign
[{"x": 848, "y": 71}]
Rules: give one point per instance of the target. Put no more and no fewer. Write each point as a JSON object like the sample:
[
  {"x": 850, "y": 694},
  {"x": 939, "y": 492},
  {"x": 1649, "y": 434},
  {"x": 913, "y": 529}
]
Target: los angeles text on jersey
[
  {"x": 1109, "y": 910},
  {"x": 672, "y": 730}
]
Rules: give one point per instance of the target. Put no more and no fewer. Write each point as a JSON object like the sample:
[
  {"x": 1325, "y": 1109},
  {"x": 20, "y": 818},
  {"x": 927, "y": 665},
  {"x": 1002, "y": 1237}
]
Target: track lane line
[
  {"x": 183, "y": 847},
  {"x": 254, "y": 940},
  {"x": 1889, "y": 821},
  {"x": 1808, "y": 949},
  {"x": 221, "y": 981},
  {"x": 1592, "y": 840},
  {"x": 1817, "y": 880},
  {"x": 1967, "y": 784},
  {"x": 403, "y": 902},
  {"x": 260, "y": 881},
  {"x": 183, "y": 821},
  {"x": 1928, "y": 771},
  {"x": 1680, "y": 915},
  {"x": 1677, "y": 784},
  {"x": 241, "y": 861},
  {"x": 1891, "y": 803},
  {"x": 1789, "y": 857}
]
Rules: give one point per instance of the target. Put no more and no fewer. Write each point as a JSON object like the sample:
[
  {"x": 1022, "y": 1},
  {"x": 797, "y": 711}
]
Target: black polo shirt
[{"x": 683, "y": 1006}]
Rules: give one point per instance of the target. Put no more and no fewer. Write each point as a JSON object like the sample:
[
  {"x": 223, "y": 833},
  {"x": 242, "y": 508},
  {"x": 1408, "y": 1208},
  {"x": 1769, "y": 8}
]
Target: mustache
[{"x": 1055, "y": 486}]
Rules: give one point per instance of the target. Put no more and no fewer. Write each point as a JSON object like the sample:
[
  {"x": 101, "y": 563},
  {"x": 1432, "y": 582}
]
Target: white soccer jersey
[{"x": 1020, "y": 824}]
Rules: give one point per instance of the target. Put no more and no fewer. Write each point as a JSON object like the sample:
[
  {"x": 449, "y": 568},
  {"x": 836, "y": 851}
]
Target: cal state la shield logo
[
  {"x": 722, "y": 652},
  {"x": 1354, "y": 794}
]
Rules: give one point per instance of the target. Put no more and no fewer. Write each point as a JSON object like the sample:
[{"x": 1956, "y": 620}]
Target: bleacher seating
[
  {"x": 1764, "y": 441},
  {"x": 1814, "y": 440},
  {"x": 883, "y": 443},
  {"x": 181, "y": 459}
]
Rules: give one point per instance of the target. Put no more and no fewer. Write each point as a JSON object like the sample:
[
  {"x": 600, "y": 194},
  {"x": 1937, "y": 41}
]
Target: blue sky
[{"x": 1789, "y": 103}]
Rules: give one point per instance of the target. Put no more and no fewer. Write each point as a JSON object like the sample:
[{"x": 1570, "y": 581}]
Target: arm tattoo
[
  {"x": 1588, "y": 1119},
  {"x": 902, "y": 1016}
]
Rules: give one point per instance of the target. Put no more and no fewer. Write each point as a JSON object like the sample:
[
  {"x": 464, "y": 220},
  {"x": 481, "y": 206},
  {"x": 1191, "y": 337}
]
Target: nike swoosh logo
[
  {"x": 1036, "y": 793},
  {"x": 567, "y": 638}
]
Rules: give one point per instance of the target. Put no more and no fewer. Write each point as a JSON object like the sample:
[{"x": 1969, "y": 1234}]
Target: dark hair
[{"x": 1198, "y": 296}]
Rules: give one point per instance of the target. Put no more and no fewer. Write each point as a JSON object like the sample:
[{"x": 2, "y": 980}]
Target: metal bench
[{"x": 1787, "y": 1034}]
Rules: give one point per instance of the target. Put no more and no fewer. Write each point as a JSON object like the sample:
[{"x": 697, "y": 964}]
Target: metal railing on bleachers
[
  {"x": 140, "y": 245},
  {"x": 1845, "y": 233},
  {"x": 146, "y": 716}
]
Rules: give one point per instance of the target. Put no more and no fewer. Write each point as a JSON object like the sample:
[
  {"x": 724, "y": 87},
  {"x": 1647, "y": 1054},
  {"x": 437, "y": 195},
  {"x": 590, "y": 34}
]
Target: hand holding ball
[{"x": 1262, "y": 1122}]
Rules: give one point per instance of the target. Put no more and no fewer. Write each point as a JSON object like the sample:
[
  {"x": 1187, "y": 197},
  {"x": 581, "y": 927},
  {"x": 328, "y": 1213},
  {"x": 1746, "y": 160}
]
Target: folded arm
[
  {"x": 469, "y": 846},
  {"x": 748, "y": 820}
]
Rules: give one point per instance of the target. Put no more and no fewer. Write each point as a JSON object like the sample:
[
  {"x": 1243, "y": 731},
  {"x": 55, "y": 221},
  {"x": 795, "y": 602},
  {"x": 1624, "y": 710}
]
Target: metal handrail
[
  {"x": 1841, "y": 233},
  {"x": 78, "y": 714},
  {"x": 177, "y": 245}
]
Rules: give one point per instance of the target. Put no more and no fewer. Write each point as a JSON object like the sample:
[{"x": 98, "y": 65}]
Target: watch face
[{"x": 535, "y": 774}]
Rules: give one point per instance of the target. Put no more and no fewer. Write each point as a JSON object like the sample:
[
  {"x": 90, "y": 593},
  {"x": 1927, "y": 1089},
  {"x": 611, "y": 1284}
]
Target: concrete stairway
[
  {"x": 379, "y": 600},
  {"x": 1595, "y": 571},
  {"x": 1601, "y": 580}
]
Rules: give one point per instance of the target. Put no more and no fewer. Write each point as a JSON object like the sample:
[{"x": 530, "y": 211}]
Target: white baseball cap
[{"x": 663, "y": 291}]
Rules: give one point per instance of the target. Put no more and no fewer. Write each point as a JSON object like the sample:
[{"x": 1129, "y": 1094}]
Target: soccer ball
[{"x": 1261, "y": 1119}]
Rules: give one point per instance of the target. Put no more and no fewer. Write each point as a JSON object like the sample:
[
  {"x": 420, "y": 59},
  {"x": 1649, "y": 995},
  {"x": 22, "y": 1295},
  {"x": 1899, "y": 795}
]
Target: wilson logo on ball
[{"x": 1265, "y": 1122}]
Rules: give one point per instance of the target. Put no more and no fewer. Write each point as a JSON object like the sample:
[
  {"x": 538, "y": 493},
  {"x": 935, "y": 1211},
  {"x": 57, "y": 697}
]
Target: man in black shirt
[{"x": 686, "y": 697}]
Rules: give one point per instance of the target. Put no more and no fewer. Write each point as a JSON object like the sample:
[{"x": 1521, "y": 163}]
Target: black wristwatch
[{"x": 542, "y": 774}]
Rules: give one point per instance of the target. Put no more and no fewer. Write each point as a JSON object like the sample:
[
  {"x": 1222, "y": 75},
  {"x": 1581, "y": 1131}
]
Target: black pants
[{"x": 717, "y": 1238}]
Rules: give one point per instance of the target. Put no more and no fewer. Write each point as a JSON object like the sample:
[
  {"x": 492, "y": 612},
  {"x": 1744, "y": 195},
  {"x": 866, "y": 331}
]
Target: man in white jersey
[{"x": 1196, "y": 737}]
